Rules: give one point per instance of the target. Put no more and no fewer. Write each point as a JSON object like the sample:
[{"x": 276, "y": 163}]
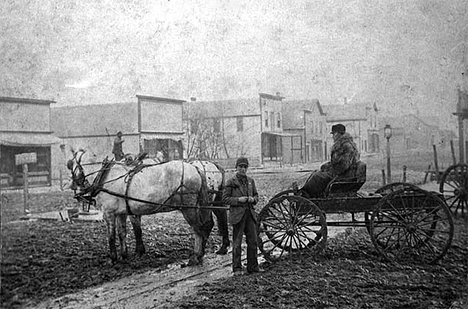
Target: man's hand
[
  {"x": 246, "y": 199},
  {"x": 243, "y": 199}
]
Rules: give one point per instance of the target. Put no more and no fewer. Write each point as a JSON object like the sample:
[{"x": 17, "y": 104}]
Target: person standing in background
[{"x": 117, "y": 150}]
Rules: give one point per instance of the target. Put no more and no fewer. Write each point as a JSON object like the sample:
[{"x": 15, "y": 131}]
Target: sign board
[{"x": 24, "y": 158}]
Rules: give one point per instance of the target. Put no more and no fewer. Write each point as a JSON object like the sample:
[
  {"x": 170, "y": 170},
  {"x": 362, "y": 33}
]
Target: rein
[{"x": 93, "y": 190}]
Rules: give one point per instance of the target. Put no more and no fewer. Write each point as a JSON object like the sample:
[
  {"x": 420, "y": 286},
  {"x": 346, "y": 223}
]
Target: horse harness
[{"x": 93, "y": 190}]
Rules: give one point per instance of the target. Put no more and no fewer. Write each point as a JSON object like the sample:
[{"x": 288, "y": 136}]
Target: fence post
[
  {"x": 427, "y": 173},
  {"x": 436, "y": 164},
  {"x": 25, "y": 188},
  {"x": 383, "y": 177},
  {"x": 404, "y": 173},
  {"x": 61, "y": 180}
]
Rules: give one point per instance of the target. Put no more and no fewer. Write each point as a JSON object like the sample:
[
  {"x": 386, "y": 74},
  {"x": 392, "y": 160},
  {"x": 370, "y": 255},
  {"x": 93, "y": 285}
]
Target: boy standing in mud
[{"x": 241, "y": 194}]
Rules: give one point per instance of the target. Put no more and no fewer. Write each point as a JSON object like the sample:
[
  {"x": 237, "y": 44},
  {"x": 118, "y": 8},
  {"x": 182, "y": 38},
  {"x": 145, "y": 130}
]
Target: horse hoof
[
  {"x": 194, "y": 261},
  {"x": 222, "y": 251},
  {"x": 113, "y": 258}
]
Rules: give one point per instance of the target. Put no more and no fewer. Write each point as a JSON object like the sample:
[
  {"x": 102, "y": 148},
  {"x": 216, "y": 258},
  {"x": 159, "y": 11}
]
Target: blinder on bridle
[{"x": 77, "y": 174}]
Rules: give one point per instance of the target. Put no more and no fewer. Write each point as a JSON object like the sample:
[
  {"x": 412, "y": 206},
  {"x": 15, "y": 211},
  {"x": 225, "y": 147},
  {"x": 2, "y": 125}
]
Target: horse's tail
[{"x": 219, "y": 193}]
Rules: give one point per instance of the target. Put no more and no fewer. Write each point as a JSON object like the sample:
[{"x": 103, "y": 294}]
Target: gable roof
[{"x": 293, "y": 112}]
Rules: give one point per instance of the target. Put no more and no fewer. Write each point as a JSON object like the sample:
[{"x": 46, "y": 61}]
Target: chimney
[{"x": 193, "y": 99}]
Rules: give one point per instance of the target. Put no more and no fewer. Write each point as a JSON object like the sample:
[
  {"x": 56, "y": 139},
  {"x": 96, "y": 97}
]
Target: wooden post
[
  {"x": 404, "y": 173},
  {"x": 292, "y": 151},
  {"x": 427, "y": 173},
  {"x": 389, "y": 172},
  {"x": 61, "y": 180},
  {"x": 452, "y": 149},
  {"x": 25, "y": 188},
  {"x": 23, "y": 159},
  {"x": 461, "y": 136},
  {"x": 436, "y": 164},
  {"x": 383, "y": 177}
]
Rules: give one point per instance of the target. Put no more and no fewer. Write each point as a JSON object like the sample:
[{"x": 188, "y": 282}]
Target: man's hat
[
  {"x": 339, "y": 128},
  {"x": 242, "y": 160},
  {"x": 120, "y": 132}
]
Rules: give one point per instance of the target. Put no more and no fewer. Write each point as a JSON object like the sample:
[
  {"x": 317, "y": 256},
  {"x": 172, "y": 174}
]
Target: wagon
[{"x": 404, "y": 221}]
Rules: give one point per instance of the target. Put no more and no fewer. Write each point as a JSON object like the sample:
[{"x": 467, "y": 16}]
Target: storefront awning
[
  {"x": 173, "y": 136},
  {"x": 28, "y": 139},
  {"x": 282, "y": 134}
]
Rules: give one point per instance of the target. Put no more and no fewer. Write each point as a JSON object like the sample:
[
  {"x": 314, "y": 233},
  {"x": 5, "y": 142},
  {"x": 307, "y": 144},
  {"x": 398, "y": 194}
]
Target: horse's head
[{"x": 77, "y": 172}]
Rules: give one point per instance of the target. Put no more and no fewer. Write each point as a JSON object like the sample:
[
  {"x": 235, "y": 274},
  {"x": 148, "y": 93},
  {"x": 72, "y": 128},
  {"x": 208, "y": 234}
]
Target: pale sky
[{"x": 407, "y": 56}]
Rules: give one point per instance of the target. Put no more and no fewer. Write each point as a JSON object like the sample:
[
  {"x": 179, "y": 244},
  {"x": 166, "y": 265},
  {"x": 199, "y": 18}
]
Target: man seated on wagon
[{"x": 344, "y": 156}]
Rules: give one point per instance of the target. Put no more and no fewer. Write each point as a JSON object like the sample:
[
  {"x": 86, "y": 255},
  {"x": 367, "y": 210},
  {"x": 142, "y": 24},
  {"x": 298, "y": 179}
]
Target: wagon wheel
[
  {"x": 385, "y": 190},
  {"x": 454, "y": 187},
  {"x": 290, "y": 224},
  {"x": 411, "y": 224}
]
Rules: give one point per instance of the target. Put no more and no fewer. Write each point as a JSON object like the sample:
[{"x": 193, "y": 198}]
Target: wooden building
[
  {"x": 413, "y": 133},
  {"x": 361, "y": 121},
  {"x": 305, "y": 120},
  {"x": 150, "y": 124},
  {"x": 227, "y": 129},
  {"x": 25, "y": 128}
]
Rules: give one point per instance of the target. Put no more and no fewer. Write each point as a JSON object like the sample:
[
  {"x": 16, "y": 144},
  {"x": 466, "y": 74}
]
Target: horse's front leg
[
  {"x": 110, "y": 222},
  {"x": 122, "y": 230},
  {"x": 136, "y": 225}
]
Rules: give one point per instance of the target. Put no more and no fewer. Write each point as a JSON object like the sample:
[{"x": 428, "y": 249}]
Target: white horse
[
  {"x": 214, "y": 175},
  {"x": 121, "y": 190}
]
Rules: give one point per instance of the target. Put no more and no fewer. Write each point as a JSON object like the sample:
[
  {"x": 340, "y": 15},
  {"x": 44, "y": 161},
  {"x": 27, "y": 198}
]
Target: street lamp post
[{"x": 387, "y": 135}]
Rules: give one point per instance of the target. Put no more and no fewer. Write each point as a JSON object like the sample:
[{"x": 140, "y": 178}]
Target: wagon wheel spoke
[
  {"x": 412, "y": 225},
  {"x": 288, "y": 224},
  {"x": 275, "y": 244}
]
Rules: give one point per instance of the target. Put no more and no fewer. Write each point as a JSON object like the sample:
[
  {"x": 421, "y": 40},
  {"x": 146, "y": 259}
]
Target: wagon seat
[{"x": 349, "y": 183}]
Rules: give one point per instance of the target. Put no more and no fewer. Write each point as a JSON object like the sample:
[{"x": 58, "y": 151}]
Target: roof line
[
  {"x": 346, "y": 119},
  {"x": 270, "y": 96},
  {"x": 27, "y": 101},
  {"x": 159, "y": 99}
]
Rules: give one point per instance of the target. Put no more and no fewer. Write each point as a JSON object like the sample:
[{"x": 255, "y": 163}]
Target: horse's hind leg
[
  {"x": 122, "y": 230},
  {"x": 221, "y": 216},
  {"x": 202, "y": 228},
  {"x": 136, "y": 224}
]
